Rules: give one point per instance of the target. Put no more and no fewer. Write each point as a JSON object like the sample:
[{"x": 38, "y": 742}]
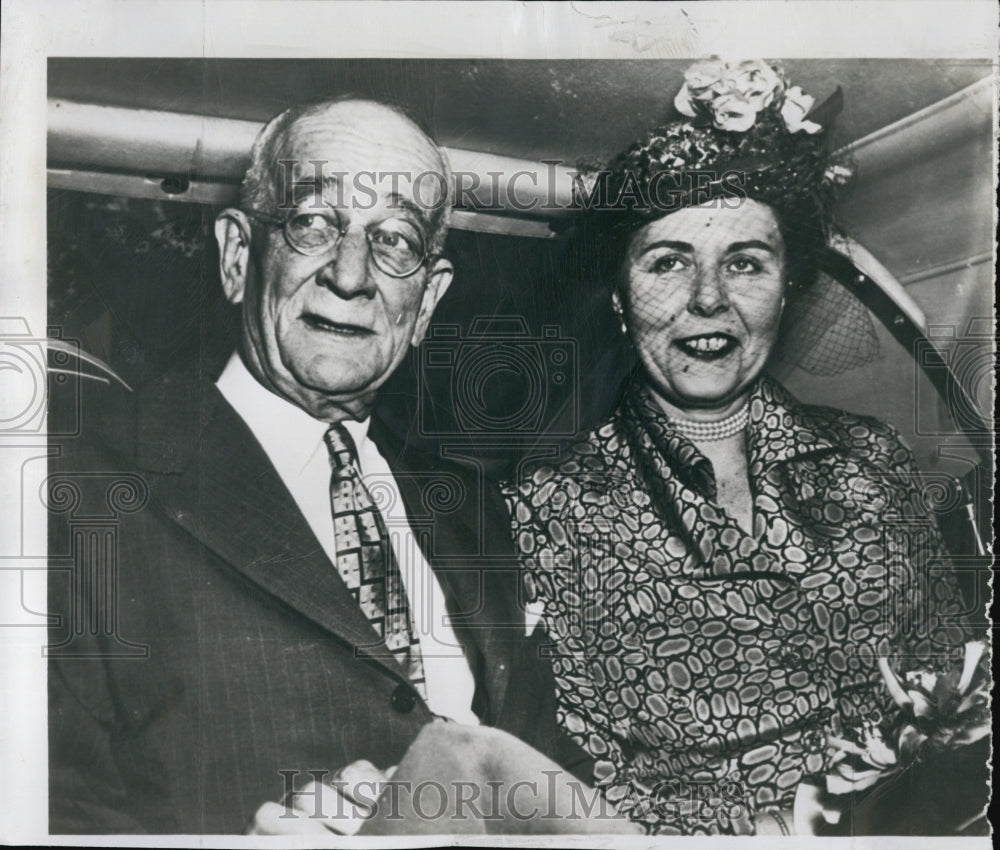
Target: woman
[{"x": 721, "y": 566}]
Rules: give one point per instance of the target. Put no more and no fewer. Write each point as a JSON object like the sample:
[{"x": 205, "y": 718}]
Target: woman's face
[{"x": 703, "y": 291}]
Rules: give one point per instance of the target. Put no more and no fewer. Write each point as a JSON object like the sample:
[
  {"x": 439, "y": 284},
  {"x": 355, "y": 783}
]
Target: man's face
[{"x": 326, "y": 331}]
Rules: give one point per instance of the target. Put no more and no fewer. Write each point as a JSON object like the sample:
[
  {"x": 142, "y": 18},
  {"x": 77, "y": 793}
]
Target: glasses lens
[
  {"x": 311, "y": 233},
  {"x": 397, "y": 246}
]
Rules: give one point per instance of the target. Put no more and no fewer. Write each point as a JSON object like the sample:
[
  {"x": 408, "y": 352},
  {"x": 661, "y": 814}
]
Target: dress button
[{"x": 403, "y": 699}]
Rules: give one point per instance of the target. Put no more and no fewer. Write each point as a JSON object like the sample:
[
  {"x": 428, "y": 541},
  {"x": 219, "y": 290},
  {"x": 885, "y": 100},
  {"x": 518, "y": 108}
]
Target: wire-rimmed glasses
[{"x": 396, "y": 244}]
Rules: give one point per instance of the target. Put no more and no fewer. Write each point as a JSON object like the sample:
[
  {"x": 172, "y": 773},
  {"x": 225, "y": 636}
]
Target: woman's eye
[
  {"x": 744, "y": 265},
  {"x": 667, "y": 263}
]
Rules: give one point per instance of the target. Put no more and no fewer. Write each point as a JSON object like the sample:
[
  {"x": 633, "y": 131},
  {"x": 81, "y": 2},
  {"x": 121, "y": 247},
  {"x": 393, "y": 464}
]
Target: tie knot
[{"x": 343, "y": 453}]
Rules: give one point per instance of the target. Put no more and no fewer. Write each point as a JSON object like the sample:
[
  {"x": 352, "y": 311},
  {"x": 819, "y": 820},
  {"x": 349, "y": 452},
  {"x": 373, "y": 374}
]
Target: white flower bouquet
[{"x": 922, "y": 771}]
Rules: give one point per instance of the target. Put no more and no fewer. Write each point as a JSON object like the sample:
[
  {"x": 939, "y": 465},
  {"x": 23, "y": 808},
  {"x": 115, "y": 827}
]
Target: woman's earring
[
  {"x": 789, "y": 286},
  {"x": 617, "y": 307}
]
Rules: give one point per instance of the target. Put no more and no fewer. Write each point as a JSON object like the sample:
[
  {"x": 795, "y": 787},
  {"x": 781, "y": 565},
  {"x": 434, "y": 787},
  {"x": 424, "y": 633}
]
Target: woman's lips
[
  {"x": 322, "y": 324},
  {"x": 712, "y": 346}
]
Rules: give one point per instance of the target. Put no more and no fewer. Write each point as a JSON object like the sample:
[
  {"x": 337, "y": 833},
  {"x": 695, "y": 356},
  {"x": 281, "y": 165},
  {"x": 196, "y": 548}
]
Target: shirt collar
[{"x": 289, "y": 435}]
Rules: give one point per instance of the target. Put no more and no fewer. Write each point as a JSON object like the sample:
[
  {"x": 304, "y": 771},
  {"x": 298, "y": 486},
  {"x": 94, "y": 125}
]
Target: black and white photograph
[{"x": 535, "y": 424}]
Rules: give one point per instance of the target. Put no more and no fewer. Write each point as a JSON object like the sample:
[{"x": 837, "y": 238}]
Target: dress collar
[
  {"x": 779, "y": 430},
  {"x": 657, "y": 442}
]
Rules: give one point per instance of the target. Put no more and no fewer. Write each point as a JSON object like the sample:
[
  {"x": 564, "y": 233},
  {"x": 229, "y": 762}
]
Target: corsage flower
[{"x": 937, "y": 712}]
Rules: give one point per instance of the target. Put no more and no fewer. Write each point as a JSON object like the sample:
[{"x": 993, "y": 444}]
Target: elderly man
[{"x": 262, "y": 620}]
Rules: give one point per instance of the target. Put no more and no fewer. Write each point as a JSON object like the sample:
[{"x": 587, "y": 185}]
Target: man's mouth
[
  {"x": 345, "y": 329},
  {"x": 713, "y": 346}
]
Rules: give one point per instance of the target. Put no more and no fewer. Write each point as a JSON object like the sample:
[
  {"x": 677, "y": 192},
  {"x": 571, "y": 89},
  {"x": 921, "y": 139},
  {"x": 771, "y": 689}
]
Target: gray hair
[{"x": 257, "y": 189}]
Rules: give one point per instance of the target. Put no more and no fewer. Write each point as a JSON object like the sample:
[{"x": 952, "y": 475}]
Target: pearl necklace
[{"x": 710, "y": 432}]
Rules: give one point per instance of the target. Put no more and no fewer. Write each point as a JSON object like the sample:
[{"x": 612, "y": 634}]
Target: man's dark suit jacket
[{"x": 203, "y": 647}]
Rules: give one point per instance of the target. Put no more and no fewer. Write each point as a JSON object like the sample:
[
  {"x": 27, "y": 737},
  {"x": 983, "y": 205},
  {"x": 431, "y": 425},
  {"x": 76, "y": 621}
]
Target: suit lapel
[
  {"x": 478, "y": 591},
  {"x": 211, "y": 476}
]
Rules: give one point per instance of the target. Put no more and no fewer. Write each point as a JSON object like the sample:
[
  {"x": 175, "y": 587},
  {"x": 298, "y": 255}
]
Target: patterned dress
[{"x": 698, "y": 664}]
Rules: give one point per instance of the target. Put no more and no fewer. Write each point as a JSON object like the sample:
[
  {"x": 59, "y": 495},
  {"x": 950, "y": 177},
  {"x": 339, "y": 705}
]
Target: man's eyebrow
[
  {"x": 397, "y": 200},
  {"x": 303, "y": 189}
]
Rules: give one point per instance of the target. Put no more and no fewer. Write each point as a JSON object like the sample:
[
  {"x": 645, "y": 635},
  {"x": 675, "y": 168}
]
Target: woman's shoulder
[
  {"x": 862, "y": 436},
  {"x": 593, "y": 460}
]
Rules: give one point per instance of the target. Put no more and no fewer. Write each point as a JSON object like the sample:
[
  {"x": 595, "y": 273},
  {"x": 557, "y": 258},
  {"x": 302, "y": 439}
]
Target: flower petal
[
  {"x": 811, "y": 127},
  {"x": 895, "y": 687},
  {"x": 846, "y": 781},
  {"x": 702, "y": 75},
  {"x": 733, "y": 113},
  {"x": 800, "y": 99},
  {"x": 757, "y": 82},
  {"x": 910, "y": 741},
  {"x": 972, "y": 734},
  {"x": 845, "y": 745},
  {"x": 969, "y": 701},
  {"x": 878, "y": 753},
  {"x": 682, "y": 102},
  {"x": 973, "y": 652},
  {"x": 922, "y": 707},
  {"x": 809, "y": 807}
]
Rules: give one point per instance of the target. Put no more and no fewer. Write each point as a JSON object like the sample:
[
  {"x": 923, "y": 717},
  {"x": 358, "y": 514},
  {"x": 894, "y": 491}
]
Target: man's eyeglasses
[{"x": 396, "y": 245}]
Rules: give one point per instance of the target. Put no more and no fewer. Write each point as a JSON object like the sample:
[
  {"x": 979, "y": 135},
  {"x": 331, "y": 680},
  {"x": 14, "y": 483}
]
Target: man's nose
[
  {"x": 709, "y": 295},
  {"x": 348, "y": 272}
]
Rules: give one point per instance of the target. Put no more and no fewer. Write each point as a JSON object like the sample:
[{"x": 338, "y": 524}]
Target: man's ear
[
  {"x": 438, "y": 281},
  {"x": 232, "y": 232}
]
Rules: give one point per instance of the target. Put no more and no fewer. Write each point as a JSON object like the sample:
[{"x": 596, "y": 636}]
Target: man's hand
[{"x": 340, "y": 806}]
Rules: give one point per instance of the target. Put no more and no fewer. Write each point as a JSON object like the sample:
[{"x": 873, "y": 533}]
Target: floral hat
[{"x": 745, "y": 133}]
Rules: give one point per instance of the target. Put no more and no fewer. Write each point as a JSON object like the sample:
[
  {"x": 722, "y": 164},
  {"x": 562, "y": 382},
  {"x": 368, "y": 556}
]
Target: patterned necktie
[{"x": 365, "y": 559}]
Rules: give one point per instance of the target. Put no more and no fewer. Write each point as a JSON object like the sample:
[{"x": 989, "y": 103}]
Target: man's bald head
[{"x": 386, "y": 130}]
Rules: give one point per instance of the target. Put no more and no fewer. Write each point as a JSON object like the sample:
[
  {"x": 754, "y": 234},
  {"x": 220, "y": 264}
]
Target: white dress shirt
[{"x": 294, "y": 443}]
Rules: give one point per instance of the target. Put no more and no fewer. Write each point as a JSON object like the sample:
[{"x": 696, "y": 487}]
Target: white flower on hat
[
  {"x": 794, "y": 110},
  {"x": 683, "y": 104},
  {"x": 731, "y": 112},
  {"x": 703, "y": 82},
  {"x": 704, "y": 79},
  {"x": 732, "y": 95},
  {"x": 757, "y": 83}
]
